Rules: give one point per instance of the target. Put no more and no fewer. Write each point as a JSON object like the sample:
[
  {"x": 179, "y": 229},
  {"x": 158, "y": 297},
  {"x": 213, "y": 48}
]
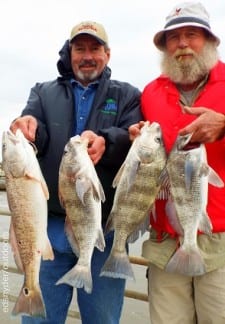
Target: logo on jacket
[{"x": 110, "y": 107}]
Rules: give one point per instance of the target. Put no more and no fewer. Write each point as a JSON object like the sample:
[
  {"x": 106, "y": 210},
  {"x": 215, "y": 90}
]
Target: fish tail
[
  {"x": 118, "y": 266},
  {"x": 79, "y": 277},
  {"x": 187, "y": 262},
  {"x": 30, "y": 302}
]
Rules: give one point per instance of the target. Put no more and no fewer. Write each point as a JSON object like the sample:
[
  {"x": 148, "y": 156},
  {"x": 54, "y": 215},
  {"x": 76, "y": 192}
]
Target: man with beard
[
  {"x": 189, "y": 97},
  {"x": 85, "y": 101}
]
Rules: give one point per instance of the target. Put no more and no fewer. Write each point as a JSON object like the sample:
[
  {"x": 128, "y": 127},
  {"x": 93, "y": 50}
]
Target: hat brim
[
  {"x": 89, "y": 34},
  {"x": 159, "y": 38}
]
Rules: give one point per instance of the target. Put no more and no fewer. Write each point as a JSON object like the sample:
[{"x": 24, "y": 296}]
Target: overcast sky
[{"x": 32, "y": 32}]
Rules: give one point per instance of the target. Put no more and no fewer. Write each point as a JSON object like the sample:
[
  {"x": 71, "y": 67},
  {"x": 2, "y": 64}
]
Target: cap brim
[
  {"x": 90, "y": 34},
  {"x": 159, "y": 38}
]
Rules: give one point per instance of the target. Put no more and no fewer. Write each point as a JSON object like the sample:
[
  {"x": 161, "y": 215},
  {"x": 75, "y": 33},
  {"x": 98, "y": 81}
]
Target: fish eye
[{"x": 158, "y": 139}]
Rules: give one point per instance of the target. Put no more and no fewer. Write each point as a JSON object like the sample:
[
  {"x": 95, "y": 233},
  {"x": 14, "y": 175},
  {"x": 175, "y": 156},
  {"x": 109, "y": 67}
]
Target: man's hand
[
  {"x": 134, "y": 130},
  {"x": 28, "y": 125},
  {"x": 96, "y": 145},
  {"x": 208, "y": 127}
]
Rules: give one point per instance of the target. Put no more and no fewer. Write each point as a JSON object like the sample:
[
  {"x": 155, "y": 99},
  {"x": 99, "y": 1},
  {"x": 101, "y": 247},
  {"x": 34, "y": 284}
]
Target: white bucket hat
[{"x": 185, "y": 14}]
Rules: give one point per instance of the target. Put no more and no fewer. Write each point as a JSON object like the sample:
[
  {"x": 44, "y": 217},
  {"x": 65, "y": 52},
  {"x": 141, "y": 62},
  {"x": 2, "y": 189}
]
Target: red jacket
[{"x": 160, "y": 103}]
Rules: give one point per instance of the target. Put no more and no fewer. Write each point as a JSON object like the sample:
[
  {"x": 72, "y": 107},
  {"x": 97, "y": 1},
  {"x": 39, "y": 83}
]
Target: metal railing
[{"x": 74, "y": 314}]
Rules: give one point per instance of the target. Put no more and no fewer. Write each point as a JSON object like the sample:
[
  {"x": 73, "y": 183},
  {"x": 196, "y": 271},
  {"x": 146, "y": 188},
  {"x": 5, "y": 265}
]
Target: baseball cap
[
  {"x": 90, "y": 28},
  {"x": 190, "y": 13}
]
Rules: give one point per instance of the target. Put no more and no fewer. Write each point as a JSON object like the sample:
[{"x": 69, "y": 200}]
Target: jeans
[{"x": 102, "y": 306}]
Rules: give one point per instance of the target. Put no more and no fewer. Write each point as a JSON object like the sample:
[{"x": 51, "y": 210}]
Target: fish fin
[
  {"x": 8, "y": 200},
  {"x": 164, "y": 185},
  {"x": 109, "y": 224},
  {"x": 28, "y": 174},
  {"x": 119, "y": 173},
  {"x": 204, "y": 170},
  {"x": 30, "y": 302},
  {"x": 82, "y": 184},
  {"x": 214, "y": 179},
  {"x": 163, "y": 194},
  {"x": 189, "y": 169},
  {"x": 140, "y": 230},
  {"x": 133, "y": 237},
  {"x": 44, "y": 188},
  {"x": 187, "y": 262},
  {"x": 163, "y": 179},
  {"x": 205, "y": 224},
  {"x": 47, "y": 253},
  {"x": 15, "y": 249},
  {"x": 117, "y": 266},
  {"x": 61, "y": 199},
  {"x": 71, "y": 237},
  {"x": 132, "y": 172},
  {"x": 172, "y": 216},
  {"x": 101, "y": 192},
  {"x": 79, "y": 277},
  {"x": 100, "y": 242},
  {"x": 98, "y": 192},
  {"x": 40, "y": 179}
]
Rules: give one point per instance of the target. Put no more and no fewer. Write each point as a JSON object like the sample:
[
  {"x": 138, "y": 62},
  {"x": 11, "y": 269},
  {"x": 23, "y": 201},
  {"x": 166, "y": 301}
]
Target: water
[{"x": 134, "y": 311}]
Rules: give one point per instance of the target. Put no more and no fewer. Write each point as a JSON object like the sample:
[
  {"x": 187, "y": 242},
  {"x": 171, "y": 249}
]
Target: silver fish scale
[
  {"x": 137, "y": 188},
  {"x": 134, "y": 204},
  {"x": 81, "y": 215},
  {"x": 188, "y": 176},
  {"x": 80, "y": 193},
  {"x": 187, "y": 200}
]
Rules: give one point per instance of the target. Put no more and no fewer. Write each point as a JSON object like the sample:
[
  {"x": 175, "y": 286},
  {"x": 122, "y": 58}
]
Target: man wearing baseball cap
[
  {"x": 83, "y": 100},
  {"x": 90, "y": 28},
  {"x": 186, "y": 248}
]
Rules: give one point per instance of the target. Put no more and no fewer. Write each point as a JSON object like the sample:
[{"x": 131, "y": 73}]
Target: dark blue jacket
[{"x": 115, "y": 108}]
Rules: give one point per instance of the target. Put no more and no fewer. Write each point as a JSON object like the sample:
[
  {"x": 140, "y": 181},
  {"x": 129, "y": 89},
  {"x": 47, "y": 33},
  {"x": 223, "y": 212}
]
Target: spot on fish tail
[{"x": 26, "y": 291}]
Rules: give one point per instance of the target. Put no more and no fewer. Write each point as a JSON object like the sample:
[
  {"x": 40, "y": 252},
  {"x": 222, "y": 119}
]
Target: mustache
[
  {"x": 89, "y": 63},
  {"x": 180, "y": 52}
]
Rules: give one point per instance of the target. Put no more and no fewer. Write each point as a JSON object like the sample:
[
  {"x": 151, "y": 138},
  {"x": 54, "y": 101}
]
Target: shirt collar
[{"x": 90, "y": 85}]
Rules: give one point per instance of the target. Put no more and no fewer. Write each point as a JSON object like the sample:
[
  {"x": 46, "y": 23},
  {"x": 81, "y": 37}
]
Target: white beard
[
  {"x": 87, "y": 77},
  {"x": 189, "y": 71}
]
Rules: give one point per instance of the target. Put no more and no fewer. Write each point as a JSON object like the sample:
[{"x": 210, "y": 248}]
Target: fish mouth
[
  {"x": 184, "y": 143},
  {"x": 145, "y": 147},
  {"x": 9, "y": 135},
  {"x": 15, "y": 138},
  {"x": 191, "y": 146}
]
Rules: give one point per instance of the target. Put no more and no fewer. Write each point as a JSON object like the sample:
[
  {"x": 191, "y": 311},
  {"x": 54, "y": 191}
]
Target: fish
[
  {"x": 27, "y": 195},
  {"x": 137, "y": 186},
  {"x": 189, "y": 174},
  {"x": 81, "y": 195}
]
